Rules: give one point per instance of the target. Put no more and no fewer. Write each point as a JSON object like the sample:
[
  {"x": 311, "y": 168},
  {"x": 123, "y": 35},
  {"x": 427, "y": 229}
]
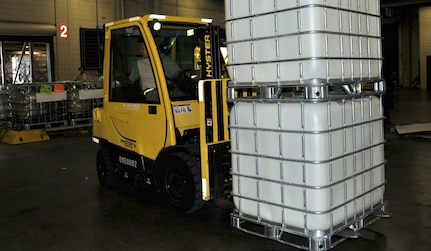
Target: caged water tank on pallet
[
  {"x": 283, "y": 41},
  {"x": 308, "y": 165},
  {"x": 32, "y": 108},
  {"x": 82, "y": 97}
]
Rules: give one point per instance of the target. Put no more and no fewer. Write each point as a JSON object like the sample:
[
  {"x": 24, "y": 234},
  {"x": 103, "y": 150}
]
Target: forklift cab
[{"x": 173, "y": 55}]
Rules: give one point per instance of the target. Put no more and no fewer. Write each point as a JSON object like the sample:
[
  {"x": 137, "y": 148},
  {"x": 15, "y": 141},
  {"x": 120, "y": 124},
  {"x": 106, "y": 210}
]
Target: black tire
[
  {"x": 105, "y": 170},
  {"x": 179, "y": 179}
]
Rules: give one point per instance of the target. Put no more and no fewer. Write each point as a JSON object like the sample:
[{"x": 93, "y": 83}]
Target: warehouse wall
[
  {"x": 208, "y": 8},
  {"x": 28, "y": 11},
  {"x": 424, "y": 43},
  {"x": 78, "y": 14},
  {"x": 93, "y": 14}
]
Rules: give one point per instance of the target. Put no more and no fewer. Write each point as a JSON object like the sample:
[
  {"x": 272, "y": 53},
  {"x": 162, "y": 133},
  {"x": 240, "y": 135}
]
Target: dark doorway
[{"x": 390, "y": 51}]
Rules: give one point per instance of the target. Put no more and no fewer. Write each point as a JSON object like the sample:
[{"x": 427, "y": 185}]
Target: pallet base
[
  {"x": 22, "y": 137},
  {"x": 300, "y": 239}
]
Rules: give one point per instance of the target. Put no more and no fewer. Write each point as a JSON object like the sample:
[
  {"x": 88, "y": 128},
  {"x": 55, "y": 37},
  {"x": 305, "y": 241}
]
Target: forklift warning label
[
  {"x": 182, "y": 109},
  {"x": 131, "y": 107}
]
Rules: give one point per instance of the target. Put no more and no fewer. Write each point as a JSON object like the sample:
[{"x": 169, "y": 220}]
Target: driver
[{"x": 143, "y": 72}]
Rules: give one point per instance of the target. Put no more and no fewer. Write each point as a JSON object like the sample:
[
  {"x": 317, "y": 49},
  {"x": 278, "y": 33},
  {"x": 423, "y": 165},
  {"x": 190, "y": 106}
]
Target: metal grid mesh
[
  {"x": 42, "y": 105},
  {"x": 301, "y": 41},
  {"x": 3, "y": 106},
  {"x": 306, "y": 164},
  {"x": 29, "y": 108},
  {"x": 82, "y": 98}
]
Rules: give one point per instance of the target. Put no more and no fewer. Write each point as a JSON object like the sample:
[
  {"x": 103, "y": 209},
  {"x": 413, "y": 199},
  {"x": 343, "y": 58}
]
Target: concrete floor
[{"x": 50, "y": 199}]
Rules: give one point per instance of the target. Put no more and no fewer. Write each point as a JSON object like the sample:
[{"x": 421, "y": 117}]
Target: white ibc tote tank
[
  {"x": 307, "y": 165},
  {"x": 282, "y": 41}
]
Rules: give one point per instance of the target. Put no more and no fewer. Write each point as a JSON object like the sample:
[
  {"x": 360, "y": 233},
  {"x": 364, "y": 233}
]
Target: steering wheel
[{"x": 187, "y": 80}]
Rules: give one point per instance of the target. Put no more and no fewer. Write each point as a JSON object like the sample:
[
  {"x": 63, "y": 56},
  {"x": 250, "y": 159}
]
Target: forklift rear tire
[
  {"x": 180, "y": 182},
  {"x": 105, "y": 170}
]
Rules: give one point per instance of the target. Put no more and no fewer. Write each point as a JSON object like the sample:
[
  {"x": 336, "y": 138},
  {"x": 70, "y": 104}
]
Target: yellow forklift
[{"x": 155, "y": 129}]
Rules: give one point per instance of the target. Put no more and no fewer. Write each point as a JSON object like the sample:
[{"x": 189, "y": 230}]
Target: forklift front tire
[
  {"x": 180, "y": 182},
  {"x": 105, "y": 169}
]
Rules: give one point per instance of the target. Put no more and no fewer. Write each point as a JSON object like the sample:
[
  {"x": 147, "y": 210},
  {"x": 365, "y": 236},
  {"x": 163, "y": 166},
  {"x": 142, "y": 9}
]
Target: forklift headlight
[
  {"x": 157, "y": 26},
  {"x": 95, "y": 140}
]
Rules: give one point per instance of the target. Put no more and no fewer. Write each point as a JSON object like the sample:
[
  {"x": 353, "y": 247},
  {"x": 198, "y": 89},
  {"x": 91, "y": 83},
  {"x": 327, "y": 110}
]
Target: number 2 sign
[{"x": 64, "y": 31}]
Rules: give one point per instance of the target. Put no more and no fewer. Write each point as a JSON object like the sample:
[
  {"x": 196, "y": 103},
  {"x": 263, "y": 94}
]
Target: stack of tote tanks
[
  {"x": 53, "y": 106},
  {"x": 82, "y": 97},
  {"x": 307, "y": 121},
  {"x": 36, "y": 105}
]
